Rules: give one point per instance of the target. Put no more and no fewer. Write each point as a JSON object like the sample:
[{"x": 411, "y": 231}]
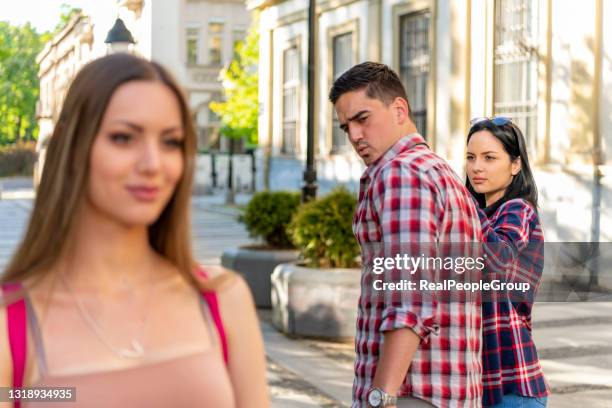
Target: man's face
[{"x": 371, "y": 126}]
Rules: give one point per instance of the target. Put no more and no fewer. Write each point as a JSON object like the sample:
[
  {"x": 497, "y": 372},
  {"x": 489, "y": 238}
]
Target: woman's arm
[
  {"x": 508, "y": 234},
  {"x": 247, "y": 361}
]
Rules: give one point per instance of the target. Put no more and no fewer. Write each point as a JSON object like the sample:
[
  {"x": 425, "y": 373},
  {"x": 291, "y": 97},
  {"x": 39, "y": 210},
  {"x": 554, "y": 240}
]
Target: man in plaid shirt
[{"x": 425, "y": 352}]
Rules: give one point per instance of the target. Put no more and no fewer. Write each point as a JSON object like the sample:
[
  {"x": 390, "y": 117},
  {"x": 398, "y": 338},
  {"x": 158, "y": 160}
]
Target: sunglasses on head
[{"x": 497, "y": 120}]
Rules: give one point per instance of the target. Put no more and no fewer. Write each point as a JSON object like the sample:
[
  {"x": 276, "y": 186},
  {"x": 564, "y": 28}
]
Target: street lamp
[
  {"x": 119, "y": 38},
  {"x": 309, "y": 189}
]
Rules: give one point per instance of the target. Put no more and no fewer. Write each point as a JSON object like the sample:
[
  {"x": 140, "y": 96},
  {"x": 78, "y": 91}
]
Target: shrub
[
  {"x": 268, "y": 214},
  {"x": 17, "y": 159},
  {"x": 322, "y": 229}
]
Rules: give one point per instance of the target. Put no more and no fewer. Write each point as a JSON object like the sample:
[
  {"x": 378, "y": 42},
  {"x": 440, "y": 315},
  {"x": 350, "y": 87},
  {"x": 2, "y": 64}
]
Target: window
[
  {"x": 193, "y": 42},
  {"x": 343, "y": 59},
  {"x": 215, "y": 43},
  {"x": 291, "y": 84},
  {"x": 515, "y": 64},
  {"x": 208, "y": 126},
  {"x": 414, "y": 64}
]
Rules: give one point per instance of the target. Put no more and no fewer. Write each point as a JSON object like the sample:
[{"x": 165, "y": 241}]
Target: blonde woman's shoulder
[{"x": 231, "y": 289}]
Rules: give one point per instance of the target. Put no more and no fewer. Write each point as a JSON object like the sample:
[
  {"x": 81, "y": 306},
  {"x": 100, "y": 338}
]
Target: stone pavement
[{"x": 574, "y": 339}]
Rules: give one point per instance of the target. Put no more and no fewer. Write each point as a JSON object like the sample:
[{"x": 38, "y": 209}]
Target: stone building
[
  {"x": 194, "y": 39},
  {"x": 547, "y": 64}
]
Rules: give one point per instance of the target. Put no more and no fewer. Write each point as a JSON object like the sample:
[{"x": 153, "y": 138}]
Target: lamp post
[
  {"x": 309, "y": 189},
  {"x": 251, "y": 152},
  {"x": 119, "y": 38}
]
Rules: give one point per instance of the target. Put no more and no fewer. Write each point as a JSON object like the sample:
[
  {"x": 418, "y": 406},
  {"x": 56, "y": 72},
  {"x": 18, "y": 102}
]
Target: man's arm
[
  {"x": 395, "y": 358},
  {"x": 408, "y": 209}
]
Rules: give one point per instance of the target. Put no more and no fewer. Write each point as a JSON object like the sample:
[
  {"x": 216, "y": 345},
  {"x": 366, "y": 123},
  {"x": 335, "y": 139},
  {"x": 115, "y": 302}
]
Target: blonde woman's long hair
[{"x": 66, "y": 169}]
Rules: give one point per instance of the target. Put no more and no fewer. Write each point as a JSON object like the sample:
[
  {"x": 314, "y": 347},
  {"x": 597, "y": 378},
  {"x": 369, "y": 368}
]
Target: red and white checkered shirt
[{"x": 411, "y": 195}]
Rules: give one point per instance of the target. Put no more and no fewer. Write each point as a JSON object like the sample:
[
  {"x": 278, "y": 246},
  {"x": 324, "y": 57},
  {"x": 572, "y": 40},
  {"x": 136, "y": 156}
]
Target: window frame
[
  {"x": 349, "y": 27},
  {"x": 532, "y": 135},
  {"x": 197, "y": 38},
  {"x": 296, "y": 84},
  {"x": 427, "y": 83},
  {"x": 210, "y": 36}
]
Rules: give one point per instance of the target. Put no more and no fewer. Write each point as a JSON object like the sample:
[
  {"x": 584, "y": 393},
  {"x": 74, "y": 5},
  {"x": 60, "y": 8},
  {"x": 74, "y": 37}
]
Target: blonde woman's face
[{"x": 136, "y": 158}]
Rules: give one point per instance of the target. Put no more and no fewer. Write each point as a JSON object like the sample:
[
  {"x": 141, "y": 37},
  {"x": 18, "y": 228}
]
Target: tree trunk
[{"x": 18, "y": 136}]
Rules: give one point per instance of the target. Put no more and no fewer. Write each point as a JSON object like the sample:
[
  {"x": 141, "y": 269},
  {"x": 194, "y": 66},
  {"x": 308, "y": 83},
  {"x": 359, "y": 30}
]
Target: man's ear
[{"x": 401, "y": 110}]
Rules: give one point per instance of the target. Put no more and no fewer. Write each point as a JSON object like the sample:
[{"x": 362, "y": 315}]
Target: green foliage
[
  {"x": 66, "y": 14},
  {"x": 17, "y": 159},
  {"x": 268, "y": 214},
  {"x": 322, "y": 229},
  {"x": 19, "y": 84},
  {"x": 239, "y": 111}
]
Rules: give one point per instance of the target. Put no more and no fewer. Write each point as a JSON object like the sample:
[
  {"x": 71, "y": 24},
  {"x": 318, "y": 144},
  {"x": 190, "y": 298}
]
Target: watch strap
[{"x": 387, "y": 399}]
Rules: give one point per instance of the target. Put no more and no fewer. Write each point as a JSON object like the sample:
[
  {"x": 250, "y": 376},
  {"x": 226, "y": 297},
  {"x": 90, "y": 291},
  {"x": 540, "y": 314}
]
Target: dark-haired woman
[{"x": 500, "y": 180}]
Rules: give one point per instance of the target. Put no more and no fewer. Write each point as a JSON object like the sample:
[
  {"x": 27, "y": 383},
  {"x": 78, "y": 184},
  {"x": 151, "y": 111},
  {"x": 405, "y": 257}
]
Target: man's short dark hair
[{"x": 379, "y": 81}]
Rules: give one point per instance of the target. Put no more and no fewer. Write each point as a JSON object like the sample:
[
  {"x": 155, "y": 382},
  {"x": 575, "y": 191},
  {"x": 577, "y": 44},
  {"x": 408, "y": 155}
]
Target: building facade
[
  {"x": 545, "y": 64},
  {"x": 194, "y": 39}
]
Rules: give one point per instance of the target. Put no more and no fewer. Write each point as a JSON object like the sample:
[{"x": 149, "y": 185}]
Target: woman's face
[
  {"x": 137, "y": 157},
  {"x": 489, "y": 167}
]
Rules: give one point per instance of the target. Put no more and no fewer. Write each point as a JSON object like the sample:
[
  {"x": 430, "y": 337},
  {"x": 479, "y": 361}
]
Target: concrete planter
[
  {"x": 256, "y": 266},
  {"x": 316, "y": 302}
]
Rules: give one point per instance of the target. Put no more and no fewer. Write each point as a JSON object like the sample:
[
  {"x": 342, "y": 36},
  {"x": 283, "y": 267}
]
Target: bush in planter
[
  {"x": 17, "y": 159},
  {"x": 268, "y": 214},
  {"x": 323, "y": 230}
]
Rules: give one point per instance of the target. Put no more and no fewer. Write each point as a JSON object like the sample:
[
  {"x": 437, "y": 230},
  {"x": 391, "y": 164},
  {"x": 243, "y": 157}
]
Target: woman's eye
[
  {"x": 174, "y": 142},
  {"x": 489, "y": 157},
  {"x": 470, "y": 158},
  {"x": 121, "y": 138},
  {"x": 362, "y": 119}
]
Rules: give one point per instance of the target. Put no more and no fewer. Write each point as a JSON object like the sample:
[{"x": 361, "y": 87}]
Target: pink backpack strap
[
  {"x": 17, "y": 334},
  {"x": 213, "y": 306}
]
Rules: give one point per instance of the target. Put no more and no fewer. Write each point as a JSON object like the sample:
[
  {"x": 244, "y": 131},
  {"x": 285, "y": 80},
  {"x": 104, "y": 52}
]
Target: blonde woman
[{"x": 103, "y": 293}]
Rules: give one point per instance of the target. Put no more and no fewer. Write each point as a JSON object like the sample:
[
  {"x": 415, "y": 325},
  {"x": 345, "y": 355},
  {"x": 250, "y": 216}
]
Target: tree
[
  {"x": 239, "y": 110},
  {"x": 19, "y": 86},
  {"x": 66, "y": 14}
]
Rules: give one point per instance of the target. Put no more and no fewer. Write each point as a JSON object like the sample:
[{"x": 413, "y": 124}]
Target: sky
[{"x": 42, "y": 14}]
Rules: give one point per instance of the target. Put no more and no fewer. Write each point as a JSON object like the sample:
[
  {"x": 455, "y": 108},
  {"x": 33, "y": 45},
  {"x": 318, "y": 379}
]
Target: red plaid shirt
[
  {"x": 411, "y": 195},
  {"x": 510, "y": 359}
]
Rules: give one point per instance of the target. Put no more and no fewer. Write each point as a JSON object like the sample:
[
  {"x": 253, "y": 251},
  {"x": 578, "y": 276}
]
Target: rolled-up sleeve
[{"x": 422, "y": 322}]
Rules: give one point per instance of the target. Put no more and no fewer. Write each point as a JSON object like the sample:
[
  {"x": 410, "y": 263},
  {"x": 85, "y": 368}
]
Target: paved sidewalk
[{"x": 327, "y": 381}]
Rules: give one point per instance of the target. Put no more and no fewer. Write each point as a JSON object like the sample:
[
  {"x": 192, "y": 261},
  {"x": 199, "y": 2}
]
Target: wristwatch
[{"x": 377, "y": 398}]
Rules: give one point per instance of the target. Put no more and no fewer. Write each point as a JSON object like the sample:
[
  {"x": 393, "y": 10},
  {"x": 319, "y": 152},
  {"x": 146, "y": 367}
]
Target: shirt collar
[{"x": 405, "y": 143}]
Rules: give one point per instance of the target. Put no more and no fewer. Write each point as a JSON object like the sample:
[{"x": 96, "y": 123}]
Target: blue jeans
[{"x": 520, "y": 401}]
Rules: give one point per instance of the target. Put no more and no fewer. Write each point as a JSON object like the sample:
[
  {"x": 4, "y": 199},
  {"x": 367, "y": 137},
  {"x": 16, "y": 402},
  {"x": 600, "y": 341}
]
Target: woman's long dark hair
[{"x": 523, "y": 184}]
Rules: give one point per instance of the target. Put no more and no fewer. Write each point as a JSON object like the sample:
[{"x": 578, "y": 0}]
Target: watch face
[{"x": 375, "y": 398}]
